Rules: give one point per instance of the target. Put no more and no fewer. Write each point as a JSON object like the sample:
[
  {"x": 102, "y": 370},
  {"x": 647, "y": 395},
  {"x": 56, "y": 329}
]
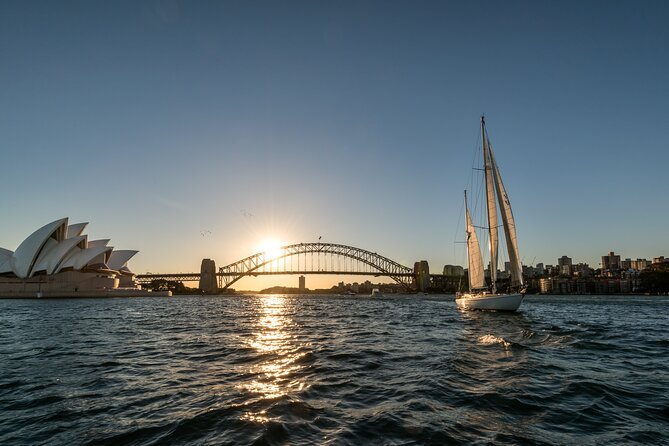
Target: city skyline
[{"x": 203, "y": 130}]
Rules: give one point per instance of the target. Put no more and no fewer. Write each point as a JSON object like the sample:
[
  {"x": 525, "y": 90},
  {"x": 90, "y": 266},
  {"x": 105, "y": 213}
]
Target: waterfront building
[
  {"x": 453, "y": 271},
  {"x": 530, "y": 272},
  {"x": 545, "y": 285},
  {"x": 58, "y": 260},
  {"x": 640, "y": 264},
  {"x": 581, "y": 286},
  {"x": 564, "y": 264},
  {"x": 564, "y": 261},
  {"x": 562, "y": 285},
  {"x": 611, "y": 263},
  {"x": 553, "y": 270},
  {"x": 582, "y": 270},
  {"x": 302, "y": 284}
]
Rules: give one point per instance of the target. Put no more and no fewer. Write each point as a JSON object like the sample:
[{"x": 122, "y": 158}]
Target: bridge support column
[
  {"x": 208, "y": 283},
  {"x": 421, "y": 272}
]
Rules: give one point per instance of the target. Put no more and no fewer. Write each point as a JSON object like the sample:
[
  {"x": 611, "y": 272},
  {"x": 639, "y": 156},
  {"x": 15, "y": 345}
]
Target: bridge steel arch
[{"x": 251, "y": 265}]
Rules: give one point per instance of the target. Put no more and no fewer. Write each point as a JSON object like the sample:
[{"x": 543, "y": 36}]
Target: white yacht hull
[{"x": 498, "y": 302}]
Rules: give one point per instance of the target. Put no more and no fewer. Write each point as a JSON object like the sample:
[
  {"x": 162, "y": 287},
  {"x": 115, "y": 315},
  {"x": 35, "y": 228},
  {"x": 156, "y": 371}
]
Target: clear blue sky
[{"x": 354, "y": 121}]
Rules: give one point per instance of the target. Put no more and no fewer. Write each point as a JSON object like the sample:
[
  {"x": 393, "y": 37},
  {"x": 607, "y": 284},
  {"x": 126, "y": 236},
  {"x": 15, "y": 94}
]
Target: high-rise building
[
  {"x": 611, "y": 262},
  {"x": 564, "y": 263},
  {"x": 640, "y": 264},
  {"x": 582, "y": 270},
  {"x": 302, "y": 284},
  {"x": 453, "y": 270},
  {"x": 564, "y": 260},
  {"x": 507, "y": 267}
]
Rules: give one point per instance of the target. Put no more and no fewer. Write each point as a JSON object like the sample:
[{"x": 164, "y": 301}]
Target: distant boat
[
  {"x": 376, "y": 293},
  {"x": 480, "y": 295}
]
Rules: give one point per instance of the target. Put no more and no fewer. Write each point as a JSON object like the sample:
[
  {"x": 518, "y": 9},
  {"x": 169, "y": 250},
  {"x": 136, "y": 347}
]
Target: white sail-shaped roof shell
[
  {"x": 5, "y": 260},
  {"x": 78, "y": 259},
  {"x": 100, "y": 260},
  {"x": 44, "y": 253},
  {"x": 76, "y": 229},
  {"x": 97, "y": 243},
  {"x": 50, "y": 261},
  {"x": 28, "y": 251},
  {"x": 118, "y": 259}
]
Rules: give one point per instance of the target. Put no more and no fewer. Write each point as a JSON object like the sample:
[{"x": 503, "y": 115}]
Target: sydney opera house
[{"x": 58, "y": 260}]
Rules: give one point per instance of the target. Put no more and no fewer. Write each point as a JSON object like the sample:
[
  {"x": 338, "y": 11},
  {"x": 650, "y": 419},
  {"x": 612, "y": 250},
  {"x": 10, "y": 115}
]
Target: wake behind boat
[{"x": 480, "y": 295}]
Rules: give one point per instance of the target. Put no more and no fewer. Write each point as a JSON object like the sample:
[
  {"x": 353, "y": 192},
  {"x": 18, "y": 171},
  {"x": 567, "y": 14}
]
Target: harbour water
[{"x": 333, "y": 370}]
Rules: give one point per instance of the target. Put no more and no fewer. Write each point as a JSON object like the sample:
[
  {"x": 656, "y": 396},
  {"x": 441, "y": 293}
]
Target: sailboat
[{"x": 480, "y": 295}]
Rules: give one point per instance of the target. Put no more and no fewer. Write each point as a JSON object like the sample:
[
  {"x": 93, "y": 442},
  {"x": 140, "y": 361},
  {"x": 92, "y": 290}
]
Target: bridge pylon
[
  {"x": 421, "y": 271},
  {"x": 208, "y": 283}
]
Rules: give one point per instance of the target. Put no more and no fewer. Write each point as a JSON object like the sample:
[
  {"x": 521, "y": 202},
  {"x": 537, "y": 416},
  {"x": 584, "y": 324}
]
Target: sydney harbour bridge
[{"x": 303, "y": 259}]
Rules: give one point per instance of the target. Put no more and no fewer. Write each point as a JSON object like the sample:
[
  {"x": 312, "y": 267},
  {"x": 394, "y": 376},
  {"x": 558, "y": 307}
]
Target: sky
[{"x": 192, "y": 130}]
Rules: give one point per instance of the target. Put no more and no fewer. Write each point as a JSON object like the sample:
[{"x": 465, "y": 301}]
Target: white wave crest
[{"x": 491, "y": 339}]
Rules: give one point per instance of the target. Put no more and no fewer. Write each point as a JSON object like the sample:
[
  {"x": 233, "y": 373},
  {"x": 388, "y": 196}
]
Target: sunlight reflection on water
[{"x": 280, "y": 350}]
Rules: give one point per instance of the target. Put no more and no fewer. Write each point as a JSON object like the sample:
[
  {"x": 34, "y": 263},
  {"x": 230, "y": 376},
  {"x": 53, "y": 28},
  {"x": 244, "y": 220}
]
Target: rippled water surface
[{"x": 333, "y": 370}]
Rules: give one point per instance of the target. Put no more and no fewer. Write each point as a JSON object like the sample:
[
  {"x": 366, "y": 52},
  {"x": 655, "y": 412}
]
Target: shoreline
[{"x": 86, "y": 294}]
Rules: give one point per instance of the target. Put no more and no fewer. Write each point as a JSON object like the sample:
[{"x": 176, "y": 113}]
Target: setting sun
[{"x": 271, "y": 247}]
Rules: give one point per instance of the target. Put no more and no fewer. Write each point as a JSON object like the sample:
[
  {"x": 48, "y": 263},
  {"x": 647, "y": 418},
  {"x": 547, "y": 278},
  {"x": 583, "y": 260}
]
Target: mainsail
[
  {"x": 509, "y": 225},
  {"x": 476, "y": 276},
  {"x": 492, "y": 207}
]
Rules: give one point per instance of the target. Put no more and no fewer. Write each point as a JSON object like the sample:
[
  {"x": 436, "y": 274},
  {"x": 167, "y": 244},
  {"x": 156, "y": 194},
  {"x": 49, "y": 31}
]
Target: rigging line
[
  {"x": 487, "y": 227},
  {"x": 483, "y": 227},
  {"x": 457, "y": 229},
  {"x": 461, "y": 214}
]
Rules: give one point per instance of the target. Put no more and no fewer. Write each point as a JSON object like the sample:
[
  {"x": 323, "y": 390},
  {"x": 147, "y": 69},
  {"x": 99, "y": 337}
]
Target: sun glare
[{"x": 271, "y": 247}]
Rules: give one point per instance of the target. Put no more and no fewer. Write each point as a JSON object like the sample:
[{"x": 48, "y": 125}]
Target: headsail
[
  {"x": 509, "y": 225},
  {"x": 492, "y": 207},
  {"x": 476, "y": 276}
]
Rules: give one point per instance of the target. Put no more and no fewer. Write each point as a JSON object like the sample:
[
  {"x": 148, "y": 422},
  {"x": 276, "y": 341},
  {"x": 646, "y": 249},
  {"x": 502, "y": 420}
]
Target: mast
[
  {"x": 475, "y": 261},
  {"x": 491, "y": 206}
]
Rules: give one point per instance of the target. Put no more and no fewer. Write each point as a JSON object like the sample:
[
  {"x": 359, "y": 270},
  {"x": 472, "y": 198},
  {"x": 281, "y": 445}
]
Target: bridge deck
[{"x": 194, "y": 277}]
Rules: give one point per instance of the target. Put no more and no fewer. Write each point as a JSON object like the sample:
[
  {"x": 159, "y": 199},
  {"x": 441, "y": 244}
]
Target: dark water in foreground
[{"x": 333, "y": 370}]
